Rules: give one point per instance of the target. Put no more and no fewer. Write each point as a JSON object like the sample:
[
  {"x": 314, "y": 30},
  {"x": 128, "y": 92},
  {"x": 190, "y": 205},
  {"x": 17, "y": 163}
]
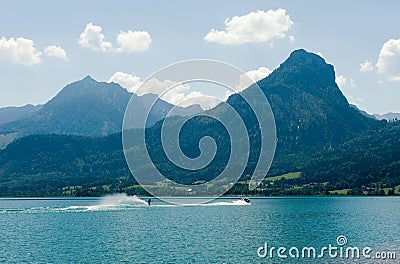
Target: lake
[{"x": 118, "y": 229}]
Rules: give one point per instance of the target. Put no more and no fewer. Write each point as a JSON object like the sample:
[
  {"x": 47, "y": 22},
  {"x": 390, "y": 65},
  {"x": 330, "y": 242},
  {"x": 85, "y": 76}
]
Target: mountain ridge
[
  {"x": 388, "y": 116},
  {"x": 316, "y": 128},
  {"x": 89, "y": 108},
  {"x": 13, "y": 113},
  {"x": 304, "y": 96}
]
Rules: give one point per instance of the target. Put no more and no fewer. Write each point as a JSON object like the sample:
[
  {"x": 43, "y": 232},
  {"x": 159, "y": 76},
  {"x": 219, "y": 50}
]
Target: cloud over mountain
[
  {"x": 182, "y": 94},
  {"x": 250, "y": 77},
  {"x": 128, "y": 81},
  {"x": 346, "y": 85},
  {"x": 170, "y": 91}
]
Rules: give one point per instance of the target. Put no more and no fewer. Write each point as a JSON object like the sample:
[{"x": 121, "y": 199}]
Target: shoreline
[{"x": 180, "y": 197}]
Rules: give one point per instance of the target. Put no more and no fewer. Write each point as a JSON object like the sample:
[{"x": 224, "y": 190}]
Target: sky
[{"x": 44, "y": 45}]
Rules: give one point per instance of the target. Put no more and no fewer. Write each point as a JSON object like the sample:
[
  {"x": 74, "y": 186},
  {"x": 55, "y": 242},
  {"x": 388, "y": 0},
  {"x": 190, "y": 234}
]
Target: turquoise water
[{"x": 118, "y": 229}]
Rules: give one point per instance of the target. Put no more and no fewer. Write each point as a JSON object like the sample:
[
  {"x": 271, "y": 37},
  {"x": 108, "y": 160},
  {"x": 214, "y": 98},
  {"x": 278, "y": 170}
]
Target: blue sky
[{"x": 142, "y": 37}]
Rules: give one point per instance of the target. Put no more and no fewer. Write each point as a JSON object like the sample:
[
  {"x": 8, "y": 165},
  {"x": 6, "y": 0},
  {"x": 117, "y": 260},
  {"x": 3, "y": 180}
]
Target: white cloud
[
  {"x": 206, "y": 102},
  {"x": 94, "y": 39},
  {"x": 130, "y": 41},
  {"x": 247, "y": 79},
  {"x": 19, "y": 51},
  {"x": 366, "y": 66},
  {"x": 250, "y": 77},
  {"x": 389, "y": 60},
  {"x": 133, "y": 41},
  {"x": 341, "y": 81},
  {"x": 128, "y": 81},
  {"x": 56, "y": 51},
  {"x": 156, "y": 86},
  {"x": 180, "y": 94},
  {"x": 133, "y": 84},
  {"x": 177, "y": 94},
  {"x": 346, "y": 85},
  {"x": 344, "y": 82},
  {"x": 254, "y": 27},
  {"x": 292, "y": 39},
  {"x": 227, "y": 94}
]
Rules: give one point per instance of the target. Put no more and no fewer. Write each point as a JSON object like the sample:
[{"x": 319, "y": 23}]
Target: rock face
[{"x": 309, "y": 108}]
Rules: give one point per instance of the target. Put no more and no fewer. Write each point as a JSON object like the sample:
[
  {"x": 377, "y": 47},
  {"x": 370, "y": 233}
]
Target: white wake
[{"x": 120, "y": 202}]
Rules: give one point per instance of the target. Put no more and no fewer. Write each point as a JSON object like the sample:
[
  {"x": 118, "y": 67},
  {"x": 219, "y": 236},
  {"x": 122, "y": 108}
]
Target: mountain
[
  {"x": 318, "y": 134},
  {"x": 364, "y": 113},
  {"x": 310, "y": 111},
  {"x": 40, "y": 165},
  {"x": 309, "y": 108},
  {"x": 9, "y": 114},
  {"x": 371, "y": 158},
  {"x": 89, "y": 108},
  {"x": 388, "y": 117}
]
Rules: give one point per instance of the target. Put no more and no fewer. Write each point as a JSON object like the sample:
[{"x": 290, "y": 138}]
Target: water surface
[{"x": 119, "y": 229}]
